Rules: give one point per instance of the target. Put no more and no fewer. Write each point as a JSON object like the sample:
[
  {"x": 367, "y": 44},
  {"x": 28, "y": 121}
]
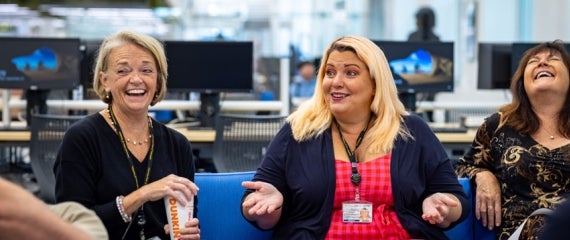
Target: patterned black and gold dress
[{"x": 531, "y": 175}]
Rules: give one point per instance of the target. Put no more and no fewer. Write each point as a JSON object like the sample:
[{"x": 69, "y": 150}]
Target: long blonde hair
[{"x": 313, "y": 117}]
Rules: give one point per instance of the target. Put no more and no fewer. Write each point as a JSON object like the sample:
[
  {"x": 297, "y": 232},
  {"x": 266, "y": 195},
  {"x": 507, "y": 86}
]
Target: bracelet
[{"x": 119, "y": 201}]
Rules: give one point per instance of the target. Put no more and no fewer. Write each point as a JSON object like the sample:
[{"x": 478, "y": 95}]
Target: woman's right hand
[
  {"x": 488, "y": 199},
  {"x": 263, "y": 205}
]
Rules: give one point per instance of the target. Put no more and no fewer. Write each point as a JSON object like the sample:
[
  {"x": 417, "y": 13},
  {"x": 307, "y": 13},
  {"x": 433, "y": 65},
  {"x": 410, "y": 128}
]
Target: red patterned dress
[{"x": 375, "y": 187}]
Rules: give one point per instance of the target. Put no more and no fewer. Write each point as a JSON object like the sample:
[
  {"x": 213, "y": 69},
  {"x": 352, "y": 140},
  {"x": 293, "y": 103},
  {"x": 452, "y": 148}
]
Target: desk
[
  {"x": 23, "y": 136},
  {"x": 456, "y": 144},
  {"x": 208, "y": 136},
  {"x": 453, "y": 138},
  {"x": 11, "y": 136},
  {"x": 198, "y": 136}
]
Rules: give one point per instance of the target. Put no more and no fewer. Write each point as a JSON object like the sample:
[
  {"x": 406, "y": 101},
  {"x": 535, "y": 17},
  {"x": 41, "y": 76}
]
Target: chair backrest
[
  {"x": 219, "y": 207},
  {"x": 455, "y": 115},
  {"x": 471, "y": 227},
  {"x": 241, "y": 140},
  {"x": 46, "y": 135}
]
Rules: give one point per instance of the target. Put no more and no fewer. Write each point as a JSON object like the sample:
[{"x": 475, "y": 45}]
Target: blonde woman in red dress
[{"x": 354, "y": 146}]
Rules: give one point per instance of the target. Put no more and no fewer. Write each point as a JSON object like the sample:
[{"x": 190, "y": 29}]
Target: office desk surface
[
  {"x": 466, "y": 137},
  {"x": 15, "y": 136},
  {"x": 192, "y": 135},
  {"x": 198, "y": 135},
  {"x": 208, "y": 136}
]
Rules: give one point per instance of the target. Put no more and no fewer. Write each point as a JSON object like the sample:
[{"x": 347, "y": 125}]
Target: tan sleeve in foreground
[{"x": 82, "y": 218}]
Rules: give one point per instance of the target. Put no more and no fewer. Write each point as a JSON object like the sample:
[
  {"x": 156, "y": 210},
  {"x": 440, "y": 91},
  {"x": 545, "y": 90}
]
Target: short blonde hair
[
  {"x": 313, "y": 117},
  {"x": 150, "y": 44}
]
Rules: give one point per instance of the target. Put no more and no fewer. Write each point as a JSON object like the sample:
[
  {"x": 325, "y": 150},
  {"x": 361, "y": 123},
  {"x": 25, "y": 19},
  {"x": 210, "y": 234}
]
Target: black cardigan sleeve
[{"x": 421, "y": 167}]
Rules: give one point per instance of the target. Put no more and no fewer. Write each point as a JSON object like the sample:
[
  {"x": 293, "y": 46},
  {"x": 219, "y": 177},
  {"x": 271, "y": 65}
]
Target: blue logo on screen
[
  {"x": 41, "y": 59},
  {"x": 422, "y": 67},
  {"x": 419, "y": 61}
]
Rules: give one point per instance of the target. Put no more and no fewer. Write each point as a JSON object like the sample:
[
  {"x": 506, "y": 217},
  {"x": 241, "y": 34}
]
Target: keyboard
[{"x": 449, "y": 129}]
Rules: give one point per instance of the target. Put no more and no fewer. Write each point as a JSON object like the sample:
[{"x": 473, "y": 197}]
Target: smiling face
[
  {"x": 131, "y": 78},
  {"x": 347, "y": 85},
  {"x": 546, "y": 72}
]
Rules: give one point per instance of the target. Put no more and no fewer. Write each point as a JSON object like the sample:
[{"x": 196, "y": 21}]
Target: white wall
[
  {"x": 550, "y": 20},
  {"x": 495, "y": 21}
]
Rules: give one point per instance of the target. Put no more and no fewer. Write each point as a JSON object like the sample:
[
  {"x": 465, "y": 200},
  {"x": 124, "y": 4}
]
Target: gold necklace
[
  {"x": 549, "y": 133},
  {"x": 128, "y": 140},
  {"x": 139, "y": 142}
]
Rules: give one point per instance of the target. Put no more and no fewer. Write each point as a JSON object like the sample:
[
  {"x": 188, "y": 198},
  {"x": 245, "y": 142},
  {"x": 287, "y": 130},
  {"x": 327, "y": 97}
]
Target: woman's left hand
[
  {"x": 437, "y": 207},
  {"x": 190, "y": 231}
]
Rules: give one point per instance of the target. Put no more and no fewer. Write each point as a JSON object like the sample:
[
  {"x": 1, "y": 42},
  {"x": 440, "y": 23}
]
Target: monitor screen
[
  {"x": 89, "y": 48},
  {"x": 210, "y": 66},
  {"x": 518, "y": 50},
  {"x": 39, "y": 63},
  {"x": 494, "y": 66},
  {"x": 420, "y": 66}
]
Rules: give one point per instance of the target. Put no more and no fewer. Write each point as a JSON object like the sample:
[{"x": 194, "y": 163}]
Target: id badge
[{"x": 357, "y": 212}]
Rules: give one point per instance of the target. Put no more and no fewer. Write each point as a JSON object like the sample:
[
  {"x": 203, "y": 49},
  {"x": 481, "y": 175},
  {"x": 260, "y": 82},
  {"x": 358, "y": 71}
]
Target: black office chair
[
  {"x": 241, "y": 140},
  {"x": 46, "y": 135}
]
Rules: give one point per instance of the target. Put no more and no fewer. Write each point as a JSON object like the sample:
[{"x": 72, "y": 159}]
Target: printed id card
[{"x": 357, "y": 212}]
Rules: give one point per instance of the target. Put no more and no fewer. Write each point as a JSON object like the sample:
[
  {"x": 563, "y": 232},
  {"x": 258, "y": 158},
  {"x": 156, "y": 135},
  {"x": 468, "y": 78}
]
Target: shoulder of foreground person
[{"x": 81, "y": 217}]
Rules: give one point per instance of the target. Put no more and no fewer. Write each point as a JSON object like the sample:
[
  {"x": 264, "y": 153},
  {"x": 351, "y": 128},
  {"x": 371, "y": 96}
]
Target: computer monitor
[
  {"x": 89, "y": 49},
  {"x": 518, "y": 50},
  {"x": 419, "y": 67},
  {"x": 494, "y": 66},
  {"x": 39, "y": 63},
  {"x": 209, "y": 67}
]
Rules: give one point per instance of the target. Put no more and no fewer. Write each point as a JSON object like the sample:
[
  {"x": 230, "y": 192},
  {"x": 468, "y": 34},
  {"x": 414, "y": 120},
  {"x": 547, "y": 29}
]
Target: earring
[{"x": 107, "y": 96}]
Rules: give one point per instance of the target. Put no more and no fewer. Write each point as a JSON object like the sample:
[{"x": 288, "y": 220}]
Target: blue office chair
[
  {"x": 463, "y": 230},
  {"x": 470, "y": 228}
]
